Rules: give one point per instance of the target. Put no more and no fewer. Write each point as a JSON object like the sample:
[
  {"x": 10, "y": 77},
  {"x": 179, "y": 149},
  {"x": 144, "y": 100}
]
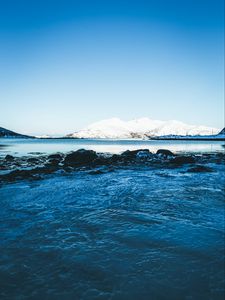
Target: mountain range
[
  {"x": 115, "y": 128},
  {"x": 143, "y": 128}
]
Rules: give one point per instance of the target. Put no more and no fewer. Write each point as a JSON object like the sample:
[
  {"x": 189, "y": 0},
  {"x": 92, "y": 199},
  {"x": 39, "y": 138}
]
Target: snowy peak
[{"x": 115, "y": 128}]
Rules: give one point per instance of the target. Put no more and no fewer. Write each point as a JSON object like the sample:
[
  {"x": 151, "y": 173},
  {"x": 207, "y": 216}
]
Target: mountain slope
[
  {"x": 5, "y": 133},
  {"x": 140, "y": 128},
  {"x": 222, "y": 131}
]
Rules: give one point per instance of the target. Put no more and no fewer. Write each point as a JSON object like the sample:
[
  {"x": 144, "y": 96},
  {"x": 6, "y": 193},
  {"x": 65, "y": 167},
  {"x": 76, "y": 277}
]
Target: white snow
[
  {"x": 116, "y": 128},
  {"x": 45, "y": 136}
]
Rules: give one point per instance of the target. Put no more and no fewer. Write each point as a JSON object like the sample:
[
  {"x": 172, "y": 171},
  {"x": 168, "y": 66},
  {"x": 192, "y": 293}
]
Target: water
[
  {"x": 24, "y": 146},
  {"x": 125, "y": 234},
  {"x": 130, "y": 233}
]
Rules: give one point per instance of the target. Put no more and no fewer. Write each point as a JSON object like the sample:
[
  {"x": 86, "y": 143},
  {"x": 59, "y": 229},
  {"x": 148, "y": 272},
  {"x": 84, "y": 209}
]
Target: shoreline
[
  {"x": 212, "y": 139},
  {"x": 13, "y": 168}
]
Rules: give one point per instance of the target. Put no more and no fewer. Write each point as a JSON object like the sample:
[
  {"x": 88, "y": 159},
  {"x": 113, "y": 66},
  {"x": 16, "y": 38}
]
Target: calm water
[{"x": 25, "y": 146}]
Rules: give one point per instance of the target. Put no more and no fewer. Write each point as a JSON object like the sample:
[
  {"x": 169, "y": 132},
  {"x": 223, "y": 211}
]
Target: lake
[{"x": 21, "y": 147}]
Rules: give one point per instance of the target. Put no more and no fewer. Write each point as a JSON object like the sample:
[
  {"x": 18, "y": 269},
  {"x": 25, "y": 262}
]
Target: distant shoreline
[
  {"x": 149, "y": 139},
  {"x": 189, "y": 139}
]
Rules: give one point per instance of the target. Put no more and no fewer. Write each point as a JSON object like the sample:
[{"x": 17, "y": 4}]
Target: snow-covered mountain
[{"x": 140, "y": 128}]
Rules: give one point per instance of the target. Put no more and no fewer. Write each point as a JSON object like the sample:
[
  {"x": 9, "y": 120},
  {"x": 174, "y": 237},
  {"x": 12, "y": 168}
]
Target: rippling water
[
  {"x": 127, "y": 234},
  {"x": 26, "y": 146}
]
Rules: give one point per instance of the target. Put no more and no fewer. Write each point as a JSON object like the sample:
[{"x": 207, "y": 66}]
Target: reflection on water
[{"x": 25, "y": 146}]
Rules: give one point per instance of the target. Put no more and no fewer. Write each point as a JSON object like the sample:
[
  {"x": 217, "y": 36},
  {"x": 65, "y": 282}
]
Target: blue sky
[{"x": 65, "y": 64}]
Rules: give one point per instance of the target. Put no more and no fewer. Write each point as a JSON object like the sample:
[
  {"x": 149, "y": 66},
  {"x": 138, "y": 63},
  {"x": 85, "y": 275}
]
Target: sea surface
[
  {"x": 129, "y": 233},
  {"x": 20, "y": 147}
]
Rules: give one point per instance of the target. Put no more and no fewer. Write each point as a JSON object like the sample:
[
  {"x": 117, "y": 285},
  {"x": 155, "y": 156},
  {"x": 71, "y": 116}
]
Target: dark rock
[
  {"x": 199, "y": 169},
  {"x": 8, "y": 133},
  {"x": 165, "y": 152},
  {"x": 101, "y": 160},
  {"x": 18, "y": 174},
  {"x": 54, "y": 162},
  {"x": 80, "y": 157},
  {"x": 222, "y": 131},
  {"x": 9, "y": 157},
  {"x": 35, "y": 153},
  {"x": 143, "y": 155},
  {"x": 179, "y": 160},
  {"x": 96, "y": 172},
  {"x": 55, "y": 156},
  {"x": 116, "y": 158},
  {"x": 33, "y": 160},
  {"x": 133, "y": 153}
]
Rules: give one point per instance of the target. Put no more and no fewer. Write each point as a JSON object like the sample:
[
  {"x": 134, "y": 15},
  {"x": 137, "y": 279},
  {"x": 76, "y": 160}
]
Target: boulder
[
  {"x": 33, "y": 160},
  {"x": 54, "y": 162},
  {"x": 165, "y": 152},
  {"x": 143, "y": 154},
  {"x": 116, "y": 158},
  {"x": 80, "y": 157},
  {"x": 133, "y": 153},
  {"x": 101, "y": 160},
  {"x": 9, "y": 157},
  {"x": 180, "y": 160},
  {"x": 55, "y": 156}
]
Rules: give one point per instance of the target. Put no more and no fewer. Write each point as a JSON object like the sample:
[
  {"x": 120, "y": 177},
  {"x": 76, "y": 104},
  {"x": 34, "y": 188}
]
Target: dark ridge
[
  {"x": 5, "y": 133},
  {"x": 222, "y": 131}
]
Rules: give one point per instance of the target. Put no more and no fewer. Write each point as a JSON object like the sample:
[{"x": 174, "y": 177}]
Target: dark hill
[
  {"x": 222, "y": 131},
  {"x": 5, "y": 133}
]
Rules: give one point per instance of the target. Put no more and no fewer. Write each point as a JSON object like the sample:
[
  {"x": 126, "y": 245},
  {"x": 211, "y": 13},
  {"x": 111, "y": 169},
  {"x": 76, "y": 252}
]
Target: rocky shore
[{"x": 37, "y": 166}]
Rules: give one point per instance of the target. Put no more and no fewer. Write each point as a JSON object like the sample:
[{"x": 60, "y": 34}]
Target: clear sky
[{"x": 67, "y": 63}]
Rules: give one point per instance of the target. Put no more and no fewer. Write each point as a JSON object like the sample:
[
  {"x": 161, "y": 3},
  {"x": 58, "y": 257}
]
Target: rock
[
  {"x": 33, "y": 160},
  {"x": 101, "y": 160},
  {"x": 18, "y": 174},
  {"x": 80, "y": 157},
  {"x": 54, "y": 162},
  {"x": 116, "y": 158},
  {"x": 133, "y": 153},
  {"x": 165, "y": 152},
  {"x": 55, "y": 156},
  {"x": 143, "y": 154},
  {"x": 179, "y": 160},
  {"x": 96, "y": 172},
  {"x": 9, "y": 157},
  {"x": 199, "y": 169}
]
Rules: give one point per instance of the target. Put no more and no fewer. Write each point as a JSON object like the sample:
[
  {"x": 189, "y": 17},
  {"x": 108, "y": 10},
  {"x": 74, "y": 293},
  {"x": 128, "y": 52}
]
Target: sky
[{"x": 65, "y": 64}]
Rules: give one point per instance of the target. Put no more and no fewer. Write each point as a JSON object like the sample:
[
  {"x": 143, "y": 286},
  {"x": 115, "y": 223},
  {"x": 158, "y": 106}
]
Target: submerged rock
[
  {"x": 18, "y": 174},
  {"x": 80, "y": 157},
  {"x": 199, "y": 169},
  {"x": 96, "y": 172}
]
